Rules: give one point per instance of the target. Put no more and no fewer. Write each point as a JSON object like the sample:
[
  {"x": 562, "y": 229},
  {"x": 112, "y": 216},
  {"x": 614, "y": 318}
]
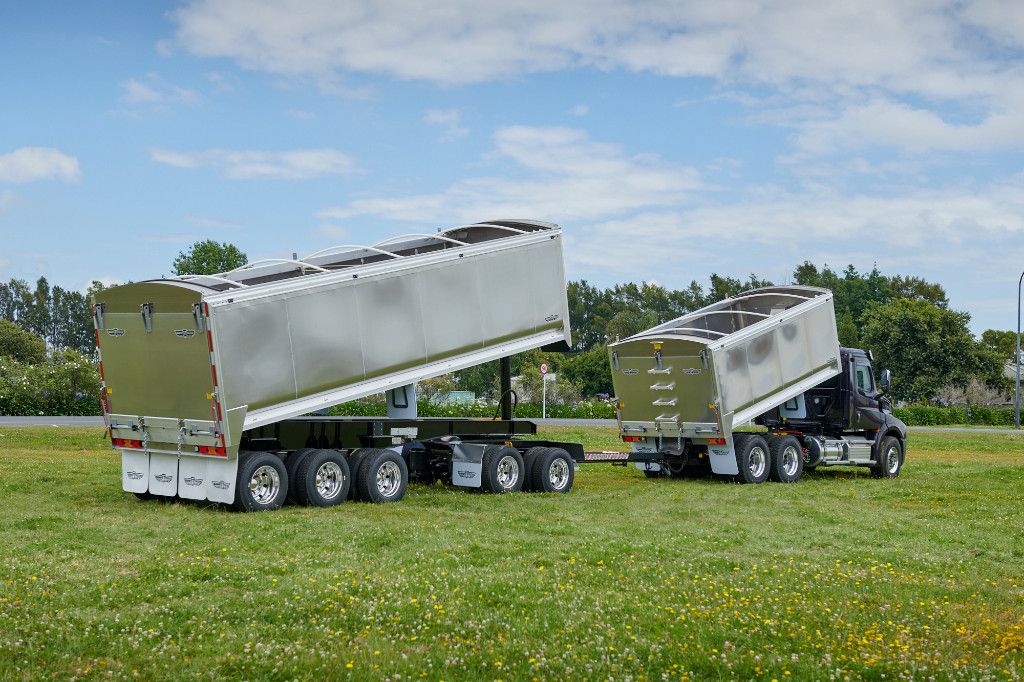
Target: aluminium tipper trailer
[
  {"x": 197, "y": 368},
  {"x": 769, "y": 356},
  {"x": 691, "y": 381}
]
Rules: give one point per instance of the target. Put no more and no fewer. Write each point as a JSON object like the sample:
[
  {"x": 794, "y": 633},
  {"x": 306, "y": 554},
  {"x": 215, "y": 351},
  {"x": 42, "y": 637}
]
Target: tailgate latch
[{"x": 147, "y": 316}]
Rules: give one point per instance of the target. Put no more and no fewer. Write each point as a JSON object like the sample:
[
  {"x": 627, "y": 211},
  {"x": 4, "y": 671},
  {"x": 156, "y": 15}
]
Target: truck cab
[{"x": 847, "y": 419}]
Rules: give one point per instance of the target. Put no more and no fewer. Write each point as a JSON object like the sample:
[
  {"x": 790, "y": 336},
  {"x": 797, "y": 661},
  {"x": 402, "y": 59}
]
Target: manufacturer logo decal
[
  {"x": 163, "y": 478},
  {"x": 467, "y": 474},
  {"x": 115, "y": 331},
  {"x": 551, "y": 318},
  {"x": 631, "y": 372},
  {"x": 134, "y": 475},
  {"x": 220, "y": 485},
  {"x": 184, "y": 333},
  {"x": 193, "y": 481},
  {"x": 692, "y": 371}
]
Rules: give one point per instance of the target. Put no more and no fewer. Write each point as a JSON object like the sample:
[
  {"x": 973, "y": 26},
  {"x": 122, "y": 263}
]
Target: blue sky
[{"x": 670, "y": 139}]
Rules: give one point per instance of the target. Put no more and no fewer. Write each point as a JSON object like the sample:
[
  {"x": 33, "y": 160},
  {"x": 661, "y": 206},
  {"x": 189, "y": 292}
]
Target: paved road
[{"x": 96, "y": 421}]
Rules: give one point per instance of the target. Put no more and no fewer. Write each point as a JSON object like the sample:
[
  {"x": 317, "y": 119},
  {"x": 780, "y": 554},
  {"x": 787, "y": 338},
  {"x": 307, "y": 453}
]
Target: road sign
[{"x": 543, "y": 368}]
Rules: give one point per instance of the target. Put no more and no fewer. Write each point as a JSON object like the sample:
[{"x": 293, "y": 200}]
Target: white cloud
[
  {"x": 916, "y": 45},
  {"x": 449, "y": 119},
  {"x": 891, "y": 124},
  {"x": 569, "y": 177},
  {"x": 248, "y": 164},
  {"x": 580, "y": 110},
  {"x": 212, "y": 223},
  {"x": 29, "y": 164},
  {"x": 153, "y": 91}
]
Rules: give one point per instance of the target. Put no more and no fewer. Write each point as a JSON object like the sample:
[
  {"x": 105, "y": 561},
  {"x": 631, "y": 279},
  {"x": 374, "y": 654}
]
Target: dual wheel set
[
  {"x": 780, "y": 457},
  {"x": 323, "y": 478}
]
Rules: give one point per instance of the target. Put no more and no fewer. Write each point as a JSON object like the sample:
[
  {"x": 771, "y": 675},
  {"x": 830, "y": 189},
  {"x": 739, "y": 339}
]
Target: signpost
[{"x": 544, "y": 390}]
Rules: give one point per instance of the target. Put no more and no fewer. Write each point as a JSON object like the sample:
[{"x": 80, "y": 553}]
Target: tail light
[
  {"x": 632, "y": 439},
  {"x": 716, "y": 441},
  {"x": 212, "y": 450},
  {"x": 127, "y": 443}
]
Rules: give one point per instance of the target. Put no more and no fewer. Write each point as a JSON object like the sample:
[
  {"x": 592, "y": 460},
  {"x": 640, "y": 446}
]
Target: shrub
[
  {"x": 66, "y": 384},
  {"x": 21, "y": 345},
  {"x": 976, "y": 415}
]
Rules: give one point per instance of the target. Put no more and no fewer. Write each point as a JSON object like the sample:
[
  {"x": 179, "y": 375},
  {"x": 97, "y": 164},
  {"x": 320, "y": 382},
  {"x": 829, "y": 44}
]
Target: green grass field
[{"x": 839, "y": 576}]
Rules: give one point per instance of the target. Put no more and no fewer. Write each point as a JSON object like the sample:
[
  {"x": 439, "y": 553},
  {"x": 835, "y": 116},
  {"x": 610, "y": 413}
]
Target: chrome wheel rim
[
  {"x": 790, "y": 460},
  {"x": 265, "y": 484},
  {"x": 508, "y": 472},
  {"x": 558, "y": 473},
  {"x": 757, "y": 462},
  {"x": 389, "y": 479},
  {"x": 892, "y": 459},
  {"x": 329, "y": 480}
]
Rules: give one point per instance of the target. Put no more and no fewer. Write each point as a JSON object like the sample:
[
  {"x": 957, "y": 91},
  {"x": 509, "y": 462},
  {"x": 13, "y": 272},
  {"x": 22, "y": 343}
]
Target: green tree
[
  {"x": 926, "y": 347},
  {"x": 1003, "y": 344},
  {"x": 21, "y": 345},
  {"x": 208, "y": 258},
  {"x": 590, "y": 371}
]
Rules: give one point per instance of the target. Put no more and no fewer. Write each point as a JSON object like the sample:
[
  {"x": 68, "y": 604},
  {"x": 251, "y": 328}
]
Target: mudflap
[
  {"x": 134, "y": 471},
  {"x": 192, "y": 475},
  {"x": 723, "y": 458},
  {"x": 220, "y": 479},
  {"x": 467, "y": 464},
  {"x": 163, "y": 474}
]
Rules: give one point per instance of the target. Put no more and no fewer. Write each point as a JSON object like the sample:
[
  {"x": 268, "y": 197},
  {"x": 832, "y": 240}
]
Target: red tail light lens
[
  {"x": 127, "y": 443},
  {"x": 632, "y": 439},
  {"x": 212, "y": 450}
]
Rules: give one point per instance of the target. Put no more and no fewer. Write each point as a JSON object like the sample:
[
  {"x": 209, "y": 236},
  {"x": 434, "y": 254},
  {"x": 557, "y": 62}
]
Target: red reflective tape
[
  {"x": 213, "y": 368},
  {"x": 220, "y": 416}
]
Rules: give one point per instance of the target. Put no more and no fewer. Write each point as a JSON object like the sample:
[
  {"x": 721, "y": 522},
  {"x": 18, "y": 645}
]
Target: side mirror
[{"x": 885, "y": 380}]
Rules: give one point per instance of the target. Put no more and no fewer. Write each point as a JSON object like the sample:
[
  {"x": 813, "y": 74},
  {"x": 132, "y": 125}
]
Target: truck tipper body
[
  {"x": 769, "y": 357},
  {"x": 202, "y": 373}
]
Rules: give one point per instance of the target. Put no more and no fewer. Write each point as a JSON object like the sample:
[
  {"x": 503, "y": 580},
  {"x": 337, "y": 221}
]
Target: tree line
[{"x": 904, "y": 320}]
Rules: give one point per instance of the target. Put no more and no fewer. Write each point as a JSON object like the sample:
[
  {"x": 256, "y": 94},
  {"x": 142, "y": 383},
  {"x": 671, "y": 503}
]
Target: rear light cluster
[
  {"x": 716, "y": 441},
  {"x": 127, "y": 443},
  {"x": 212, "y": 450},
  {"x": 632, "y": 439}
]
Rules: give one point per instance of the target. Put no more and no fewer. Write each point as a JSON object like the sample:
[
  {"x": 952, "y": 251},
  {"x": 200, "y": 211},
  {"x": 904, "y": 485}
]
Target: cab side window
[{"x": 865, "y": 381}]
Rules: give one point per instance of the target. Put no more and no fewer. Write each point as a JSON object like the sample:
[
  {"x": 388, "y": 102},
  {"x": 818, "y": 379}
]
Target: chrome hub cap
[
  {"x": 508, "y": 472},
  {"x": 329, "y": 479},
  {"x": 892, "y": 459},
  {"x": 790, "y": 460},
  {"x": 389, "y": 479},
  {"x": 558, "y": 474},
  {"x": 265, "y": 484},
  {"x": 758, "y": 462}
]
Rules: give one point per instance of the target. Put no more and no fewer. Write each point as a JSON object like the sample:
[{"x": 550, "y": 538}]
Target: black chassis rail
[{"x": 348, "y": 433}]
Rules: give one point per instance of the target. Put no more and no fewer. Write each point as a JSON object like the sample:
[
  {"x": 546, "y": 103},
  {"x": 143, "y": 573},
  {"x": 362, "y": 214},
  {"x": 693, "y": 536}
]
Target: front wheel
[
  {"x": 262, "y": 483},
  {"x": 888, "y": 458}
]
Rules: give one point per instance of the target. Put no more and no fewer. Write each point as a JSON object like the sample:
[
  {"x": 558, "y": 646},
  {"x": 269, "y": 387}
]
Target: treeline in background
[{"x": 47, "y": 355}]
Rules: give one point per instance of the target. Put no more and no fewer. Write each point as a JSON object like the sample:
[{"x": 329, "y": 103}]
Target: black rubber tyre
[
  {"x": 383, "y": 476},
  {"x": 262, "y": 483},
  {"x": 529, "y": 457},
  {"x": 787, "y": 464},
  {"x": 322, "y": 479},
  {"x": 355, "y": 460},
  {"x": 291, "y": 465},
  {"x": 889, "y": 458},
  {"x": 145, "y": 497},
  {"x": 752, "y": 458},
  {"x": 553, "y": 472},
  {"x": 503, "y": 470}
]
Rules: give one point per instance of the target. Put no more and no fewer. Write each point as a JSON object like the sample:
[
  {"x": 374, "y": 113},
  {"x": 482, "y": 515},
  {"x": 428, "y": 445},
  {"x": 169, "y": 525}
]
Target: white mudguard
[
  {"x": 220, "y": 479},
  {"x": 192, "y": 477},
  {"x": 163, "y": 474},
  {"x": 134, "y": 471},
  {"x": 723, "y": 458}
]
